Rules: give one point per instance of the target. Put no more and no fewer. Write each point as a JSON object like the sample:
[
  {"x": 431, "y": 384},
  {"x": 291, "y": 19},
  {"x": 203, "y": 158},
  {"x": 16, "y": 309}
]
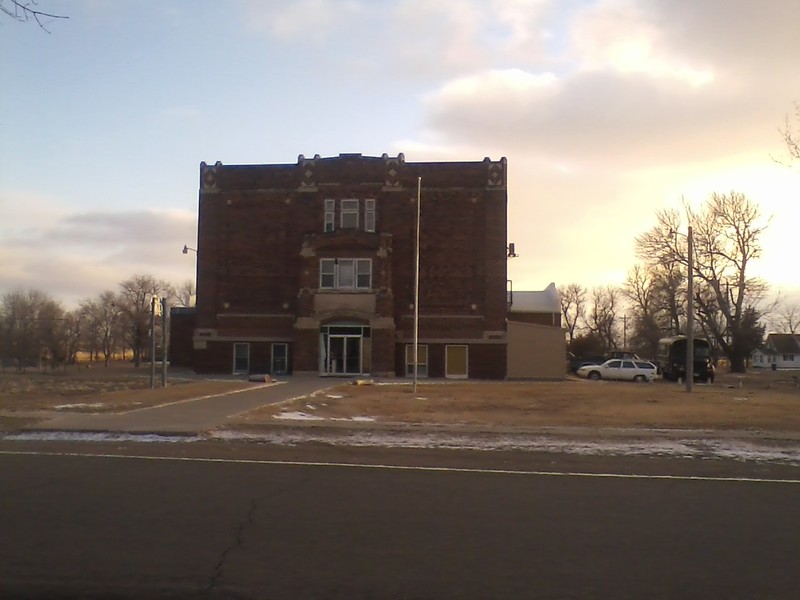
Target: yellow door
[{"x": 455, "y": 362}]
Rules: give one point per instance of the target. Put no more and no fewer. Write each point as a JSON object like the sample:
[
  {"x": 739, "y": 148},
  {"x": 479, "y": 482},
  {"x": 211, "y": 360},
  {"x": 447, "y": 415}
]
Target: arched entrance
[{"x": 345, "y": 349}]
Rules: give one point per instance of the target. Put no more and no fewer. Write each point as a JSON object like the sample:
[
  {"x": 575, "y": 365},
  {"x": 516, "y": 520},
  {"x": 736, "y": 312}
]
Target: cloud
[
  {"x": 618, "y": 35},
  {"x": 302, "y": 21},
  {"x": 633, "y": 88},
  {"x": 640, "y": 102},
  {"x": 78, "y": 255}
]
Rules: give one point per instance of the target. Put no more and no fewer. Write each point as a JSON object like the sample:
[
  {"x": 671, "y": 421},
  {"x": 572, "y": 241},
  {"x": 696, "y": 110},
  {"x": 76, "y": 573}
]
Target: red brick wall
[{"x": 260, "y": 238}]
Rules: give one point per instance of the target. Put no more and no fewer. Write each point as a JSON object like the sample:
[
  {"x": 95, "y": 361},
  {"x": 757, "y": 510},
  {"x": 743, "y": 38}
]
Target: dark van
[{"x": 672, "y": 358}]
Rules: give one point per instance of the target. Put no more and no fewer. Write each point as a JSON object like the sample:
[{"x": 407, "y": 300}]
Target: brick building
[{"x": 309, "y": 267}]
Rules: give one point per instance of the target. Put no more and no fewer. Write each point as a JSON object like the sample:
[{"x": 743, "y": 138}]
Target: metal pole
[
  {"x": 163, "y": 342},
  {"x": 153, "y": 342},
  {"x": 690, "y": 315},
  {"x": 416, "y": 286}
]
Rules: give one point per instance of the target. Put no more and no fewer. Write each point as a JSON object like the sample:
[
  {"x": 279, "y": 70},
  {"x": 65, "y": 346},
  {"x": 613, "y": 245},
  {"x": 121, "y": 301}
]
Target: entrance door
[
  {"x": 455, "y": 362},
  {"x": 344, "y": 349},
  {"x": 343, "y": 355}
]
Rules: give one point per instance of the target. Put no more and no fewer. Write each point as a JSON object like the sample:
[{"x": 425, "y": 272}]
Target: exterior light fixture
[{"x": 186, "y": 249}]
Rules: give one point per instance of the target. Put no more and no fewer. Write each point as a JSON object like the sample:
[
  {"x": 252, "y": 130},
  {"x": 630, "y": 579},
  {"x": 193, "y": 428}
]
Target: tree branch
[{"x": 25, "y": 11}]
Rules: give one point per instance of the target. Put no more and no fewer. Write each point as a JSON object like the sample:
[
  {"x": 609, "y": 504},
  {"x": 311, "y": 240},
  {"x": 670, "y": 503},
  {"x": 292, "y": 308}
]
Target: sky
[{"x": 607, "y": 111}]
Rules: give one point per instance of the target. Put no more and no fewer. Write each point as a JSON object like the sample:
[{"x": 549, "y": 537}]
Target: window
[
  {"x": 788, "y": 357},
  {"x": 327, "y": 273},
  {"x": 422, "y": 360},
  {"x": 364, "y": 274},
  {"x": 241, "y": 358},
  {"x": 369, "y": 215},
  {"x": 346, "y": 276},
  {"x": 345, "y": 273},
  {"x": 330, "y": 214},
  {"x": 349, "y": 214}
]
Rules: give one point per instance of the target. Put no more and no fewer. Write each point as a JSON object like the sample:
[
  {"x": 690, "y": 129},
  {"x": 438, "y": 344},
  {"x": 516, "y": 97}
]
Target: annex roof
[{"x": 543, "y": 301}]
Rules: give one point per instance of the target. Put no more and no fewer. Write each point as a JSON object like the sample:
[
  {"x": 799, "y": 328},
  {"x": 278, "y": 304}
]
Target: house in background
[
  {"x": 310, "y": 268},
  {"x": 781, "y": 350}
]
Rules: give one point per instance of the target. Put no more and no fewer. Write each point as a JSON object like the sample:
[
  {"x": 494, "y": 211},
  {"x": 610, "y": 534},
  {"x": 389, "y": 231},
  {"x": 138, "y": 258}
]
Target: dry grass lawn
[
  {"x": 760, "y": 400},
  {"x": 764, "y": 401},
  {"x": 117, "y": 388}
]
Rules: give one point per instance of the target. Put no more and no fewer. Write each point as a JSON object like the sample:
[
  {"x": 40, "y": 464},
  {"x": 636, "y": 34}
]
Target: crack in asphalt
[{"x": 237, "y": 541}]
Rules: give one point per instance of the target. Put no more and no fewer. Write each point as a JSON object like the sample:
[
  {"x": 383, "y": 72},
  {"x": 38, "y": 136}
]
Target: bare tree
[
  {"x": 186, "y": 293},
  {"x": 601, "y": 319},
  {"x": 29, "y": 327},
  {"x": 135, "y": 304},
  {"x": 787, "y": 318},
  {"x": 645, "y": 290},
  {"x": 728, "y": 302},
  {"x": 101, "y": 316},
  {"x": 573, "y": 305},
  {"x": 791, "y": 136},
  {"x": 27, "y": 10}
]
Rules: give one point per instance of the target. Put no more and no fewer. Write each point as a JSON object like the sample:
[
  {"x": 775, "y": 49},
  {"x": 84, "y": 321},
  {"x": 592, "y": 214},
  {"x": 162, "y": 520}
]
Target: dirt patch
[{"x": 770, "y": 402}]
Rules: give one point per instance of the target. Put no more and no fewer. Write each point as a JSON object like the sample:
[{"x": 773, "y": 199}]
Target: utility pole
[
  {"x": 416, "y": 288},
  {"x": 624, "y": 332},
  {"x": 690, "y": 315},
  {"x": 163, "y": 342}
]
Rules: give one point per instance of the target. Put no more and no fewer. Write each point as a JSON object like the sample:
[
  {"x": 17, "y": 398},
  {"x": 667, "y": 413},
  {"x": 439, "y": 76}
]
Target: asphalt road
[{"x": 223, "y": 520}]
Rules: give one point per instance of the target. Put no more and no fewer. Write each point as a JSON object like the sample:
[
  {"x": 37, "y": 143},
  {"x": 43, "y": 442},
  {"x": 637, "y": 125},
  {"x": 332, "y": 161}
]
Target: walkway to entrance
[{"x": 189, "y": 416}]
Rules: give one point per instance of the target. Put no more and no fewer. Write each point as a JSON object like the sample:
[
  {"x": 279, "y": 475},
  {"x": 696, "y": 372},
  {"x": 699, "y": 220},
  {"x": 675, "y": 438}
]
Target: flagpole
[{"x": 416, "y": 287}]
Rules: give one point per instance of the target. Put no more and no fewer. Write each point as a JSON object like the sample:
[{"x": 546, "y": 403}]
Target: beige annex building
[{"x": 536, "y": 343}]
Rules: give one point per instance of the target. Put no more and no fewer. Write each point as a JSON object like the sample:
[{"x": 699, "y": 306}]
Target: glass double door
[{"x": 342, "y": 355}]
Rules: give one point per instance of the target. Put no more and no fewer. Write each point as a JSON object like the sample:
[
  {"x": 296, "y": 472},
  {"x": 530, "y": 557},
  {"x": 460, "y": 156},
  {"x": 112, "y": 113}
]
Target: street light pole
[{"x": 690, "y": 314}]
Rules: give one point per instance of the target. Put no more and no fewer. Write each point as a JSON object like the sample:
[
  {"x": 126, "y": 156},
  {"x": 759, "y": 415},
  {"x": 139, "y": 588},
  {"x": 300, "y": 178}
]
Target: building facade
[
  {"x": 310, "y": 268},
  {"x": 537, "y": 346}
]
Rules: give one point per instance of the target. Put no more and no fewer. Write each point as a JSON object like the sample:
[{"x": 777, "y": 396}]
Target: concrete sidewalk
[{"x": 188, "y": 416}]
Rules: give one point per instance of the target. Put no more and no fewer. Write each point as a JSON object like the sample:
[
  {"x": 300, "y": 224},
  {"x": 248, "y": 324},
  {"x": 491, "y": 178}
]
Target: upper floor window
[
  {"x": 346, "y": 214},
  {"x": 369, "y": 215},
  {"x": 349, "y": 214},
  {"x": 345, "y": 273},
  {"x": 330, "y": 214}
]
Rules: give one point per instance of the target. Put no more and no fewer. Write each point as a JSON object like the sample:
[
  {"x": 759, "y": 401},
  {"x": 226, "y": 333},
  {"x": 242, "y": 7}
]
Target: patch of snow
[
  {"x": 79, "y": 405},
  {"x": 702, "y": 449},
  {"x": 696, "y": 448},
  {"x": 75, "y": 436},
  {"x": 297, "y": 416},
  {"x": 335, "y": 396}
]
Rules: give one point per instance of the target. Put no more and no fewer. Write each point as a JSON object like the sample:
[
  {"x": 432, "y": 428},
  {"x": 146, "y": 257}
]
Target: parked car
[
  {"x": 576, "y": 362},
  {"x": 625, "y": 370}
]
